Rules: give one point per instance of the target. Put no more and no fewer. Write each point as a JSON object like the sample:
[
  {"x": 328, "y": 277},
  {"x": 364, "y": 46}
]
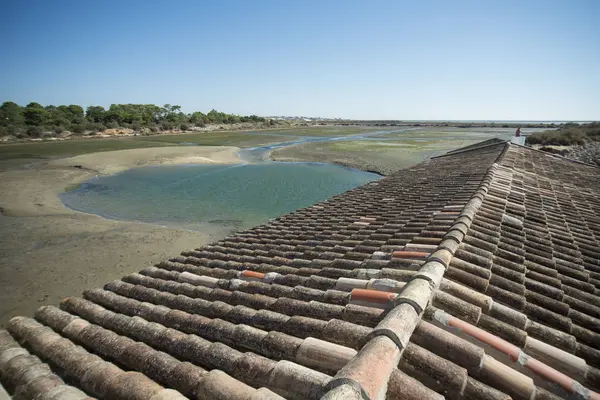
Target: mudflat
[
  {"x": 382, "y": 157},
  {"x": 48, "y": 251}
]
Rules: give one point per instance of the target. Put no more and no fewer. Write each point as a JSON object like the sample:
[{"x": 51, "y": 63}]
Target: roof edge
[
  {"x": 458, "y": 151},
  {"x": 553, "y": 155}
]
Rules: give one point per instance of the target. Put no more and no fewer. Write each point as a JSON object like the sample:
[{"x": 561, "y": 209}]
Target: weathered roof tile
[{"x": 498, "y": 237}]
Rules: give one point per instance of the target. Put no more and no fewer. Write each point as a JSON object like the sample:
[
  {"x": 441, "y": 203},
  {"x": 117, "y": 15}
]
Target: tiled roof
[{"x": 475, "y": 275}]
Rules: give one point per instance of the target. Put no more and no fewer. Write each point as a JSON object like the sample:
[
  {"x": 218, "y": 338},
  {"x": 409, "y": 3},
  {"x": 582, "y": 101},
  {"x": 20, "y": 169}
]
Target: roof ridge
[
  {"x": 288, "y": 304},
  {"x": 502, "y": 154},
  {"x": 390, "y": 337},
  {"x": 528, "y": 357},
  {"x": 458, "y": 151},
  {"x": 486, "y": 142}
]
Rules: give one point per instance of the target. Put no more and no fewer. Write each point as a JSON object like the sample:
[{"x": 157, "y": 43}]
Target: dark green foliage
[
  {"x": 35, "y": 131},
  {"x": 167, "y": 126},
  {"x": 78, "y": 128},
  {"x": 58, "y": 116},
  {"x": 215, "y": 117},
  {"x": 11, "y": 114},
  {"x": 197, "y": 118},
  {"x": 95, "y": 114},
  {"x": 36, "y": 118},
  {"x": 10, "y": 130},
  {"x": 567, "y": 134},
  {"x": 35, "y": 115},
  {"x": 94, "y": 127},
  {"x": 76, "y": 114}
]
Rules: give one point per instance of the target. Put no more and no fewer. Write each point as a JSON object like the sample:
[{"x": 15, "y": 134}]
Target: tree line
[{"x": 35, "y": 120}]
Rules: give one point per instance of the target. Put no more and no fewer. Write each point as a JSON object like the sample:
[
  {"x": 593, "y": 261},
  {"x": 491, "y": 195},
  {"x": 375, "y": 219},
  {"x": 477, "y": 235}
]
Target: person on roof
[{"x": 518, "y": 132}]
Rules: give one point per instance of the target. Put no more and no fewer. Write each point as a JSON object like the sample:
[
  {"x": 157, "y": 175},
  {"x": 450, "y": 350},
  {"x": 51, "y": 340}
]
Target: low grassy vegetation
[
  {"x": 409, "y": 147},
  {"x": 72, "y": 147},
  {"x": 567, "y": 135},
  {"x": 455, "y": 133},
  {"x": 383, "y": 154},
  {"x": 329, "y": 130},
  {"x": 577, "y": 141},
  {"x": 67, "y": 148},
  {"x": 219, "y": 138}
]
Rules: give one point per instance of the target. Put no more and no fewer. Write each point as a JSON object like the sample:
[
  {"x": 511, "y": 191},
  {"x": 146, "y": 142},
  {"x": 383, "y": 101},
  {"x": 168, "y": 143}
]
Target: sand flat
[{"x": 48, "y": 251}]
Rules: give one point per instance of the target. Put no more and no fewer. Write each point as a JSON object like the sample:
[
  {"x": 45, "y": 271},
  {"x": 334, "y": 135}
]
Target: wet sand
[{"x": 48, "y": 251}]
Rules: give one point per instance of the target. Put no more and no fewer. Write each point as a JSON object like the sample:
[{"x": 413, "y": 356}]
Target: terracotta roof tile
[{"x": 355, "y": 296}]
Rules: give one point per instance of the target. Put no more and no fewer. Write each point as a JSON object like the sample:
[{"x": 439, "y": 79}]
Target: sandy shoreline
[{"x": 48, "y": 251}]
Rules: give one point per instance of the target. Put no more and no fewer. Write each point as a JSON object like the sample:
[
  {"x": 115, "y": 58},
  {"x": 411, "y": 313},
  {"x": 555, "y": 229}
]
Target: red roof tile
[{"x": 359, "y": 295}]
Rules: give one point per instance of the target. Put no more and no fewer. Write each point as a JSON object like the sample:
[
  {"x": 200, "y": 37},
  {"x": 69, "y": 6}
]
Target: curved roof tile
[{"x": 473, "y": 275}]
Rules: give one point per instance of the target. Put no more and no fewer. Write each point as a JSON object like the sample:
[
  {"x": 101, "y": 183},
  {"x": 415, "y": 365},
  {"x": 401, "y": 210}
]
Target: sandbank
[{"x": 48, "y": 251}]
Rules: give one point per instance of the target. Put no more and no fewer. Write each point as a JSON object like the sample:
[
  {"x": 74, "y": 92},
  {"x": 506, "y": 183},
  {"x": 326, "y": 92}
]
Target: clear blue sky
[{"x": 517, "y": 60}]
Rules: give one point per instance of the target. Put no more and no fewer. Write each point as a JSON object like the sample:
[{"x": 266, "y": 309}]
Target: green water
[{"x": 217, "y": 199}]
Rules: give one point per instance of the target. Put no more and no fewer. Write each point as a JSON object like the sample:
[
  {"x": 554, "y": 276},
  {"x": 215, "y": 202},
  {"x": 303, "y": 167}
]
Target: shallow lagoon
[
  {"x": 219, "y": 199},
  {"x": 216, "y": 199}
]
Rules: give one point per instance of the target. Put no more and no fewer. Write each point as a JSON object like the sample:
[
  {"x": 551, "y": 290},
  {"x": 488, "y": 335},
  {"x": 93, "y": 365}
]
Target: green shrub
[
  {"x": 35, "y": 131},
  {"x": 78, "y": 128},
  {"x": 94, "y": 127},
  {"x": 9, "y": 130},
  {"x": 567, "y": 135},
  {"x": 167, "y": 126}
]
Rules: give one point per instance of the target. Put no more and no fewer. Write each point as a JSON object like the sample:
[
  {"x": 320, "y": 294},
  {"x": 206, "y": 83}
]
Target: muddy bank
[
  {"x": 380, "y": 161},
  {"x": 48, "y": 251}
]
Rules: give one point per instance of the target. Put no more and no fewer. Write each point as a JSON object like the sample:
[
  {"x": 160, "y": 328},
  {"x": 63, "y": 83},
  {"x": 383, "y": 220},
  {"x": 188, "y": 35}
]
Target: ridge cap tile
[{"x": 502, "y": 237}]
